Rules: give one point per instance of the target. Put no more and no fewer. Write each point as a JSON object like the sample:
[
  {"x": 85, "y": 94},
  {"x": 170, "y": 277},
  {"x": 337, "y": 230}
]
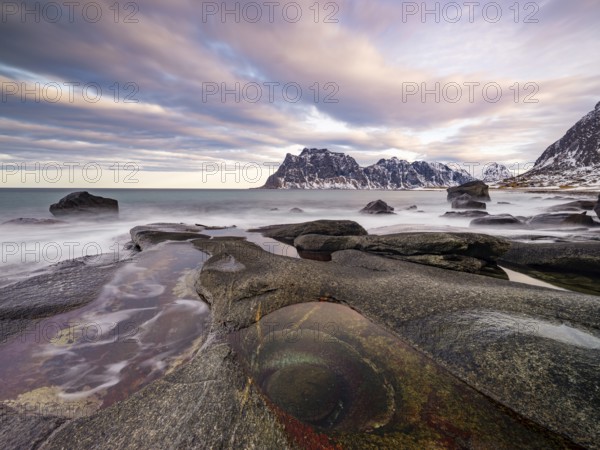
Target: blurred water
[{"x": 28, "y": 248}]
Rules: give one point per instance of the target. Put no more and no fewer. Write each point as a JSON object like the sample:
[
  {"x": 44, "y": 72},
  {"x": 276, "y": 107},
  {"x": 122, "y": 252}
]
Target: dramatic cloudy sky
[{"x": 362, "y": 67}]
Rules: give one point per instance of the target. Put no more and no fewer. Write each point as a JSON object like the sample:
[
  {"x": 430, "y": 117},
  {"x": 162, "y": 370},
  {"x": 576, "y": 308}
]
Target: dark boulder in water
[
  {"x": 377, "y": 207},
  {"x": 597, "y": 207},
  {"x": 578, "y": 205},
  {"x": 497, "y": 220},
  {"x": 465, "y": 214},
  {"x": 478, "y": 190},
  {"x": 465, "y": 201},
  {"x": 84, "y": 204},
  {"x": 296, "y": 211},
  {"x": 561, "y": 220}
]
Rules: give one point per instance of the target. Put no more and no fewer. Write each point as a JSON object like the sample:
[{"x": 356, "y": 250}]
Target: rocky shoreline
[
  {"x": 404, "y": 340},
  {"x": 488, "y": 333}
]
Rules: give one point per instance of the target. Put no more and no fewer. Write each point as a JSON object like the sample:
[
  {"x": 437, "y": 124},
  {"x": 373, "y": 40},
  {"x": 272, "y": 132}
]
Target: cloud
[{"x": 369, "y": 82}]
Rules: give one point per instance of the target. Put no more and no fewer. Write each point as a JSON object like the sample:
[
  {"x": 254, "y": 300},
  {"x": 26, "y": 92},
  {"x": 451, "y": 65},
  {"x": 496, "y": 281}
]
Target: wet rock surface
[
  {"x": 288, "y": 232},
  {"x": 597, "y": 207},
  {"x": 572, "y": 265},
  {"x": 63, "y": 288},
  {"x": 400, "y": 295},
  {"x": 474, "y": 253},
  {"x": 146, "y": 236},
  {"x": 84, "y": 204},
  {"x": 497, "y": 363}
]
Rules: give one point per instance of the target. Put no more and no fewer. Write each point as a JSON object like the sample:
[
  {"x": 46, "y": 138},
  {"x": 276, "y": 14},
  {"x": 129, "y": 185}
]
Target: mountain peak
[
  {"x": 314, "y": 151},
  {"x": 578, "y": 148}
]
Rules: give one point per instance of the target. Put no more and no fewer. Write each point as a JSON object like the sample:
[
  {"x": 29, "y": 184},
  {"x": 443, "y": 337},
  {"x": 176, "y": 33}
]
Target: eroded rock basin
[
  {"x": 337, "y": 380},
  {"x": 145, "y": 322}
]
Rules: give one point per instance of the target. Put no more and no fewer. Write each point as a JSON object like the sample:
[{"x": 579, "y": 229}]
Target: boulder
[
  {"x": 561, "y": 220},
  {"x": 296, "y": 211},
  {"x": 377, "y": 207},
  {"x": 597, "y": 207},
  {"x": 465, "y": 214},
  {"x": 84, "y": 204},
  {"x": 579, "y": 205},
  {"x": 288, "y": 232},
  {"x": 478, "y": 190},
  {"x": 502, "y": 220},
  {"x": 465, "y": 201}
]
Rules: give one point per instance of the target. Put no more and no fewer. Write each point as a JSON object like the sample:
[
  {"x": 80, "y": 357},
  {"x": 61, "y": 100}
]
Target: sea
[{"x": 27, "y": 249}]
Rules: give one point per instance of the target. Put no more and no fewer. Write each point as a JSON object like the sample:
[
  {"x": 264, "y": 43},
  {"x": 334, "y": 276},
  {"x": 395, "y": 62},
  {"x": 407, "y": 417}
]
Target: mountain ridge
[{"x": 323, "y": 169}]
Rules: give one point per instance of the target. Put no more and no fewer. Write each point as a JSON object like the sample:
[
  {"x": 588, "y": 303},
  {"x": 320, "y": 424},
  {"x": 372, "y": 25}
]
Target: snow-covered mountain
[
  {"x": 494, "y": 172},
  {"x": 322, "y": 169},
  {"x": 572, "y": 160}
]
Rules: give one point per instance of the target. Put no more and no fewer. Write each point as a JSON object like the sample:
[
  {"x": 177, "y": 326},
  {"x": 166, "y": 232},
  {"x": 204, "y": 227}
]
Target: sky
[{"x": 190, "y": 94}]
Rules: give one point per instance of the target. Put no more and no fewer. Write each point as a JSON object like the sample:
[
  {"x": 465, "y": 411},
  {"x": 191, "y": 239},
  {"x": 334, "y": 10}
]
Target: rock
[
  {"x": 561, "y": 220},
  {"x": 478, "y": 190},
  {"x": 296, "y": 211},
  {"x": 411, "y": 208},
  {"x": 84, "y": 204},
  {"x": 146, "y": 236},
  {"x": 497, "y": 220},
  {"x": 465, "y": 214},
  {"x": 29, "y": 221},
  {"x": 25, "y": 430},
  {"x": 504, "y": 203},
  {"x": 490, "y": 336},
  {"x": 377, "y": 207},
  {"x": 274, "y": 209},
  {"x": 287, "y": 233},
  {"x": 474, "y": 253},
  {"x": 571, "y": 265},
  {"x": 597, "y": 207},
  {"x": 579, "y": 205},
  {"x": 483, "y": 330},
  {"x": 465, "y": 201}
]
